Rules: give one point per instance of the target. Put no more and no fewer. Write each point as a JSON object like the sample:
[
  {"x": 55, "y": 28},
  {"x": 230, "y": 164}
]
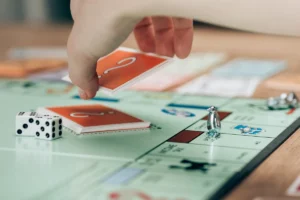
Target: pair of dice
[{"x": 41, "y": 126}]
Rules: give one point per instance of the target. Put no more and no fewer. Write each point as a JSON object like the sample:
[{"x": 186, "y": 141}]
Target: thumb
[{"x": 95, "y": 33}]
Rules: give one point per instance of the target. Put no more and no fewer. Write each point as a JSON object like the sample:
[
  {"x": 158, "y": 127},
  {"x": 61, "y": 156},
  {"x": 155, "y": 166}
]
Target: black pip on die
[{"x": 48, "y": 127}]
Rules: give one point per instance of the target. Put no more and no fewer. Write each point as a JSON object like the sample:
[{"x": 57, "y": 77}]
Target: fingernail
[{"x": 82, "y": 94}]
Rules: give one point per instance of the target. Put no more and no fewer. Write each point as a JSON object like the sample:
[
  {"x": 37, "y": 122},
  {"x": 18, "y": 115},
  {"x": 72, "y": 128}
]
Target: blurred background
[{"x": 38, "y": 11}]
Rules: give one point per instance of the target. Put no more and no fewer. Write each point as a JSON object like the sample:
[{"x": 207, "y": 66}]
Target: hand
[
  {"x": 100, "y": 27},
  {"x": 165, "y": 36}
]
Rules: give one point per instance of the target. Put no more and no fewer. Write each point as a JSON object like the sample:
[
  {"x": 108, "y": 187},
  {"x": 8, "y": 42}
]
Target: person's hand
[
  {"x": 100, "y": 26},
  {"x": 165, "y": 36}
]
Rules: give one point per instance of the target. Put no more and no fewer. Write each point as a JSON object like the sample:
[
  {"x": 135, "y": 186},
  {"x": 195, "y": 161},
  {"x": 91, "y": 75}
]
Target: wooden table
[{"x": 275, "y": 174}]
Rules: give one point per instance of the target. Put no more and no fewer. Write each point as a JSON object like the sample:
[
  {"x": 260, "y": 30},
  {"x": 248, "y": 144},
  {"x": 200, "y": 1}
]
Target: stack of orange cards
[
  {"x": 94, "y": 118},
  {"x": 23, "y": 68},
  {"x": 124, "y": 67}
]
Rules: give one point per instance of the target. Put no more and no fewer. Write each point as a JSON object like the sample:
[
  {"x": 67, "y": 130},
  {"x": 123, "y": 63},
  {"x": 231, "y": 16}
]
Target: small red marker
[{"x": 291, "y": 111}]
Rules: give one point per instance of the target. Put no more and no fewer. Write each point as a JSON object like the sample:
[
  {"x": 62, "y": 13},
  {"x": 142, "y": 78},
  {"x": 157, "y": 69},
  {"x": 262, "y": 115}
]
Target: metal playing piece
[
  {"x": 212, "y": 136},
  {"x": 284, "y": 101},
  {"x": 272, "y": 103},
  {"x": 278, "y": 103},
  {"x": 292, "y": 100},
  {"x": 283, "y": 96},
  {"x": 213, "y": 122}
]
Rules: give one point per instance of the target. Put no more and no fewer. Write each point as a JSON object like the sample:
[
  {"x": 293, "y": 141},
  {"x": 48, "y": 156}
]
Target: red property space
[{"x": 185, "y": 136}]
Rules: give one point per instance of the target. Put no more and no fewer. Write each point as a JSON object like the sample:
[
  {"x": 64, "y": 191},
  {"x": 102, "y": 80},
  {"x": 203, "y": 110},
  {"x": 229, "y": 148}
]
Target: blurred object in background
[
  {"x": 35, "y": 11},
  {"x": 40, "y": 11},
  {"x": 20, "y": 53}
]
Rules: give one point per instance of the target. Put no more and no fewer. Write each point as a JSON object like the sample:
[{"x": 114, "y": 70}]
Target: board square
[
  {"x": 185, "y": 136},
  {"x": 92, "y": 118}
]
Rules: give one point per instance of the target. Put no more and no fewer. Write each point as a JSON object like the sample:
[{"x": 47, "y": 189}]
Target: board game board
[{"x": 173, "y": 160}]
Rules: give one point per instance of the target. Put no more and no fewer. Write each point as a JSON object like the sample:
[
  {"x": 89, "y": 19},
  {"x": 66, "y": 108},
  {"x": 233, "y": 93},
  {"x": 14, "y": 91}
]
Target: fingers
[
  {"x": 165, "y": 36},
  {"x": 144, "y": 35},
  {"x": 183, "y": 36},
  {"x": 163, "y": 28}
]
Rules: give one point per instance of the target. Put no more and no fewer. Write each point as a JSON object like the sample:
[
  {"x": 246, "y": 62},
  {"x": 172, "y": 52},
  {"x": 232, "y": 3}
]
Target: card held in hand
[{"x": 125, "y": 67}]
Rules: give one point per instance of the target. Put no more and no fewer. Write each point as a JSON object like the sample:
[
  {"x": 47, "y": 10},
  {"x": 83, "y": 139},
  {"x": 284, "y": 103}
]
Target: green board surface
[{"x": 173, "y": 160}]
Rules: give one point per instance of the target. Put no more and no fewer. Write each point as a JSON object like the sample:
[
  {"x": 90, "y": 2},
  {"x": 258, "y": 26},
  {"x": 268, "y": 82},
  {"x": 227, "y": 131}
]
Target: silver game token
[
  {"x": 284, "y": 101},
  {"x": 292, "y": 100},
  {"x": 272, "y": 103},
  {"x": 213, "y": 122}
]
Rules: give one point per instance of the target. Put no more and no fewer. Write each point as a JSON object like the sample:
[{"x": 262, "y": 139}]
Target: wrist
[
  {"x": 140, "y": 9},
  {"x": 174, "y": 8}
]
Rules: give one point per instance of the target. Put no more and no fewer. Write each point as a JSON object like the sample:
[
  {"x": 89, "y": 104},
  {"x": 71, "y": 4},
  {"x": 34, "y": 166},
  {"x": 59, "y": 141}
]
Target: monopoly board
[{"x": 172, "y": 160}]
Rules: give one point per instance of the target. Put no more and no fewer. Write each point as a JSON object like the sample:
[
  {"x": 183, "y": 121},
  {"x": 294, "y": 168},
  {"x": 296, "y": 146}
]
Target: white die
[
  {"x": 49, "y": 127},
  {"x": 25, "y": 123}
]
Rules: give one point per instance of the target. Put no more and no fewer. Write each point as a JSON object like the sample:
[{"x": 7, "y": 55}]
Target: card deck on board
[{"x": 94, "y": 118}]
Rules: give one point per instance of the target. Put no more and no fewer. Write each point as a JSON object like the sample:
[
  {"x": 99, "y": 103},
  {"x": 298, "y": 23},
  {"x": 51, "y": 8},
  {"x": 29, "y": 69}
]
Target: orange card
[
  {"x": 23, "y": 68},
  {"x": 124, "y": 67},
  {"x": 94, "y": 118}
]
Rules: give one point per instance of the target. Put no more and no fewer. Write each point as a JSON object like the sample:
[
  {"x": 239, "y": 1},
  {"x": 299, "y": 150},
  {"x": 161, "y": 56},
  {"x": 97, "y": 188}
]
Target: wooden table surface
[{"x": 272, "y": 178}]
